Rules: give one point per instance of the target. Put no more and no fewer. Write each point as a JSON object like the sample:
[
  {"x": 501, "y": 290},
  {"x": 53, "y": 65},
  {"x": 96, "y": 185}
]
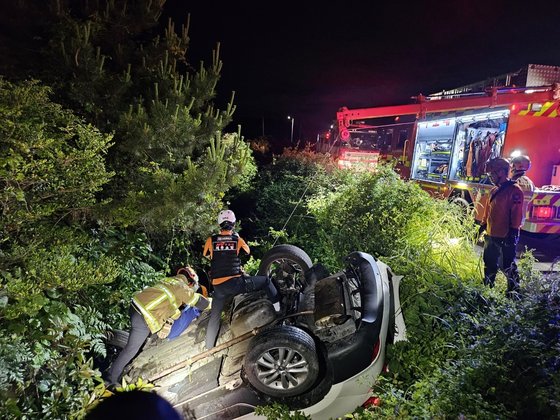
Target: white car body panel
[{"x": 344, "y": 397}]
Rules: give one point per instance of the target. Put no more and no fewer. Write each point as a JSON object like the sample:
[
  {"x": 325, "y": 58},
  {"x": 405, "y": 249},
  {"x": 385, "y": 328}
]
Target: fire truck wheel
[{"x": 461, "y": 202}]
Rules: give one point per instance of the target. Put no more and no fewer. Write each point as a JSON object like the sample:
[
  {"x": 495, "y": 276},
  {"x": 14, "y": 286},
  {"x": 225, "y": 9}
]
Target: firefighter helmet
[
  {"x": 521, "y": 163},
  {"x": 497, "y": 164},
  {"x": 188, "y": 275},
  {"x": 226, "y": 217}
]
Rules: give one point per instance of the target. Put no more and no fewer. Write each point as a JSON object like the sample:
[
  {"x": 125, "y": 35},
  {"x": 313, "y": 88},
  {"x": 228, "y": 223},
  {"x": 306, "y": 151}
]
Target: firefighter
[
  {"x": 502, "y": 220},
  {"x": 520, "y": 165},
  {"x": 155, "y": 310},
  {"x": 226, "y": 272}
]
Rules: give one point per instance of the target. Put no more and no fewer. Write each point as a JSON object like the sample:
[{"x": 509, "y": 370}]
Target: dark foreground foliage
[{"x": 488, "y": 357}]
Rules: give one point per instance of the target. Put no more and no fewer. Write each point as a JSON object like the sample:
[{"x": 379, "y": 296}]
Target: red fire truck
[
  {"x": 447, "y": 139},
  {"x": 358, "y": 152}
]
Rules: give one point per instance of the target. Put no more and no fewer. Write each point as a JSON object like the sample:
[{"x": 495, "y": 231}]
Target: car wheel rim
[{"x": 282, "y": 368}]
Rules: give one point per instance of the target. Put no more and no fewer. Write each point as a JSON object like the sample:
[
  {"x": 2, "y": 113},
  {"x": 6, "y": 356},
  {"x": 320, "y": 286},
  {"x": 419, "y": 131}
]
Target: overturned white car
[{"x": 321, "y": 354}]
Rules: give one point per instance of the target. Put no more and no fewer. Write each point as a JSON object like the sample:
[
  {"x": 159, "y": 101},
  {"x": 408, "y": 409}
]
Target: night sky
[{"x": 308, "y": 58}]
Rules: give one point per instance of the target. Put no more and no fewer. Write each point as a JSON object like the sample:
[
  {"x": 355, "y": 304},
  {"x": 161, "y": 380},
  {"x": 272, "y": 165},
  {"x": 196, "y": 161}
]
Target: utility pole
[{"x": 292, "y": 131}]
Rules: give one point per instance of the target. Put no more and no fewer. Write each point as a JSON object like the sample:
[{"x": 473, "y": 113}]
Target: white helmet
[
  {"x": 226, "y": 216},
  {"x": 521, "y": 163}
]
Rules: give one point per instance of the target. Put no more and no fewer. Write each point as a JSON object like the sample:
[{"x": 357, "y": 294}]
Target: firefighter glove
[
  {"x": 481, "y": 230},
  {"x": 166, "y": 329}
]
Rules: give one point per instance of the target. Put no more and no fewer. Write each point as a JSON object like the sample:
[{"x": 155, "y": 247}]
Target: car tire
[
  {"x": 117, "y": 338},
  {"x": 319, "y": 389},
  {"x": 296, "y": 259},
  {"x": 282, "y": 362},
  {"x": 284, "y": 252}
]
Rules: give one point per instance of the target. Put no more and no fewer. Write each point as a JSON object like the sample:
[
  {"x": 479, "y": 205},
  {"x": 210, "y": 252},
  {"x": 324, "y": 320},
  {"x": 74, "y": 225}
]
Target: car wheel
[
  {"x": 286, "y": 265},
  {"x": 282, "y": 362},
  {"x": 319, "y": 389}
]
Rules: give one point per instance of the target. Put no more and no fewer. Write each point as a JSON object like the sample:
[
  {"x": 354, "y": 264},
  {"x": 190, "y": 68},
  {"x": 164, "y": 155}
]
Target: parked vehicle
[
  {"x": 444, "y": 141},
  {"x": 321, "y": 354},
  {"x": 358, "y": 152}
]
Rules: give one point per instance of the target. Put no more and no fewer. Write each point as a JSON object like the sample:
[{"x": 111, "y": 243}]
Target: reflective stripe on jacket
[
  {"x": 223, "y": 251},
  {"x": 504, "y": 210},
  {"x": 162, "y": 301}
]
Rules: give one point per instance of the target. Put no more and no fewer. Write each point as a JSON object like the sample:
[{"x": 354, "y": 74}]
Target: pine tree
[
  {"x": 107, "y": 61},
  {"x": 125, "y": 135}
]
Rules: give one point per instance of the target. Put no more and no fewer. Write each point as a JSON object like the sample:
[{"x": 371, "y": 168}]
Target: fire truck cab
[{"x": 453, "y": 135}]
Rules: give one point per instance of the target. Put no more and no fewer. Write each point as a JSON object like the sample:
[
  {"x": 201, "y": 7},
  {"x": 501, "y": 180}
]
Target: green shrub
[
  {"x": 46, "y": 364},
  {"x": 497, "y": 358},
  {"x": 394, "y": 220},
  {"x": 52, "y": 163}
]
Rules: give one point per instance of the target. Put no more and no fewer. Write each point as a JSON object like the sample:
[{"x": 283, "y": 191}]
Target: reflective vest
[
  {"x": 162, "y": 301},
  {"x": 225, "y": 259}
]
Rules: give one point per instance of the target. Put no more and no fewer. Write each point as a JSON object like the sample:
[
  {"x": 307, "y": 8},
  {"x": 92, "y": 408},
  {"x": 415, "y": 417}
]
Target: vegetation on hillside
[
  {"x": 471, "y": 353},
  {"x": 114, "y": 161}
]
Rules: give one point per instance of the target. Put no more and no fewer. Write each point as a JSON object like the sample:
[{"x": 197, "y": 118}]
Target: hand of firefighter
[
  {"x": 481, "y": 230},
  {"x": 203, "y": 303},
  {"x": 513, "y": 236}
]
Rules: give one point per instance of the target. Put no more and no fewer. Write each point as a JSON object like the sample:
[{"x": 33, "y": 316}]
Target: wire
[{"x": 304, "y": 192}]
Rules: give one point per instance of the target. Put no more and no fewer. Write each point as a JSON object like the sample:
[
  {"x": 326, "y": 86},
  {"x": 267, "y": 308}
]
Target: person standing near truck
[
  {"x": 519, "y": 166},
  {"x": 502, "y": 220}
]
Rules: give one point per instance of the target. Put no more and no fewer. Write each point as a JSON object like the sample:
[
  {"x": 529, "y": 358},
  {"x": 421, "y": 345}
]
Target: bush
[
  {"x": 52, "y": 167},
  {"x": 46, "y": 364},
  {"x": 498, "y": 358},
  {"x": 276, "y": 211},
  {"x": 397, "y": 221},
  {"x": 52, "y": 162}
]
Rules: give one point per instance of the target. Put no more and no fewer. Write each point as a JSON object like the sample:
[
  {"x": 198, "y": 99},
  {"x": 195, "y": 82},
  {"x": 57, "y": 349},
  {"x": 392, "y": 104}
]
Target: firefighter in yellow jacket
[{"x": 154, "y": 309}]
